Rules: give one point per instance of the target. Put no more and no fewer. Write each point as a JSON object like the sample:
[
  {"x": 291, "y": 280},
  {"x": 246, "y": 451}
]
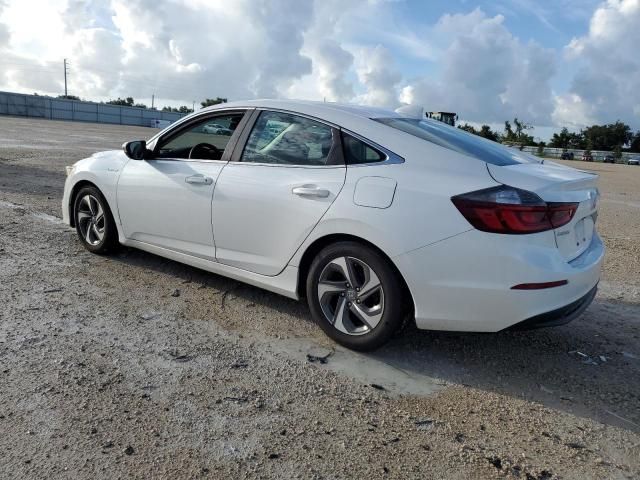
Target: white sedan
[
  {"x": 216, "y": 129},
  {"x": 374, "y": 216}
]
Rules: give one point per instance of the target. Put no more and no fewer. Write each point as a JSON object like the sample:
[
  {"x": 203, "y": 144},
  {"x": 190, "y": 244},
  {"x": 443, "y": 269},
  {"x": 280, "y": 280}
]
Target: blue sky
[
  {"x": 552, "y": 24},
  {"x": 551, "y": 63}
]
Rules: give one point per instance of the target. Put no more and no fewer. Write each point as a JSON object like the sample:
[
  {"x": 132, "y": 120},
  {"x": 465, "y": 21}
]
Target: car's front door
[
  {"x": 276, "y": 189},
  {"x": 166, "y": 200}
]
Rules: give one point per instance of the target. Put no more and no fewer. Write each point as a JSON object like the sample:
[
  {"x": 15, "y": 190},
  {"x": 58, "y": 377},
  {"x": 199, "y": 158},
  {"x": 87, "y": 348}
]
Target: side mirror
[{"x": 135, "y": 150}]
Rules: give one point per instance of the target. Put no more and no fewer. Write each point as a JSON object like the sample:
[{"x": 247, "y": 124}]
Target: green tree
[
  {"x": 588, "y": 147},
  {"x": 212, "y": 101},
  {"x": 607, "y": 137},
  {"x": 125, "y": 102},
  {"x": 484, "y": 132},
  {"x": 181, "y": 109},
  {"x": 617, "y": 152},
  {"x": 468, "y": 128},
  {"x": 635, "y": 143},
  {"x": 69, "y": 97},
  {"x": 518, "y": 135},
  {"x": 566, "y": 139}
]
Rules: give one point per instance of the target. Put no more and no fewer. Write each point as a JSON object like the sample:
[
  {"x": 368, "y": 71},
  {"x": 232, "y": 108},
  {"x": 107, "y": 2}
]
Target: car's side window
[
  {"x": 206, "y": 140},
  {"x": 357, "y": 152},
  {"x": 283, "y": 138}
]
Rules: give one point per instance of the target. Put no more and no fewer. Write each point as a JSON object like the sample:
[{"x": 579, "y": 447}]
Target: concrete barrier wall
[{"x": 80, "y": 111}]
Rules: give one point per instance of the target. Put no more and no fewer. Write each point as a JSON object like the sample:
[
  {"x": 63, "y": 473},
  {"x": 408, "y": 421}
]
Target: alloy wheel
[
  {"x": 91, "y": 220},
  {"x": 351, "y": 295}
]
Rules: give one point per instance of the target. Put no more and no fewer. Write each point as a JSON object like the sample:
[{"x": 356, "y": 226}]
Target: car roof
[{"x": 337, "y": 113}]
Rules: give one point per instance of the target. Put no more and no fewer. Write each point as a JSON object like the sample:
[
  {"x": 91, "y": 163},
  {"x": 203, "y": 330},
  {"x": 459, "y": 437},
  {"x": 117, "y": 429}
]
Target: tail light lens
[{"x": 513, "y": 211}]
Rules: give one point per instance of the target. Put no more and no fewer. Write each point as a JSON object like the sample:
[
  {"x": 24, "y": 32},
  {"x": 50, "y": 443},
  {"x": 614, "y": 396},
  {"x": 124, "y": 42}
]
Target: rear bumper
[
  {"x": 559, "y": 316},
  {"x": 464, "y": 283}
]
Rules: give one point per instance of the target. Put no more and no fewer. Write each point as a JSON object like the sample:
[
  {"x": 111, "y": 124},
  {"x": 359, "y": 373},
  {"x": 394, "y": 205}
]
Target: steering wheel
[{"x": 208, "y": 148}]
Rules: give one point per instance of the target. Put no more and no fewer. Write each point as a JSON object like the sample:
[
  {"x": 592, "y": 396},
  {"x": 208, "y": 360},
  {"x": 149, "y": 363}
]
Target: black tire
[
  {"x": 362, "y": 336},
  {"x": 104, "y": 238}
]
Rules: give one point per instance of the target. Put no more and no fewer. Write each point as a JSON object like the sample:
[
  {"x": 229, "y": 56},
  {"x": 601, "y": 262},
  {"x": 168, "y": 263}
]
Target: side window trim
[
  {"x": 244, "y": 135},
  {"x": 391, "y": 157},
  {"x": 185, "y": 126},
  {"x": 335, "y": 159}
]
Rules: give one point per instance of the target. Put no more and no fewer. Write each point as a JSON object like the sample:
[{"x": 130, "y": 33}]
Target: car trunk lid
[{"x": 556, "y": 183}]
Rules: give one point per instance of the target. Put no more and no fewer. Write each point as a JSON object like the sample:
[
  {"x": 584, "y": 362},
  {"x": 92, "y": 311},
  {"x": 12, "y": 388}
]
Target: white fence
[
  {"x": 76, "y": 110},
  {"x": 598, "y": 155}
]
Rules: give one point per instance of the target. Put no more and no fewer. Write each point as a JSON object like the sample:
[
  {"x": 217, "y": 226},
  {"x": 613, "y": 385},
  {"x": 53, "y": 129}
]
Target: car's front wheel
[
  {"x": 94, "y": 222},
  {"x": 355, "y": 295}
]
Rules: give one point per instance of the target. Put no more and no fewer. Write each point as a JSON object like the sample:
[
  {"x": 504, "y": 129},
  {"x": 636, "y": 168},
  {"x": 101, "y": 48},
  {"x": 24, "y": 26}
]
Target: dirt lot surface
[{"x": 133, "y": 366}]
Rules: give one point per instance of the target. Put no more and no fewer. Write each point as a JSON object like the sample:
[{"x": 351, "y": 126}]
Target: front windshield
[{"x": 460, "y": 141}]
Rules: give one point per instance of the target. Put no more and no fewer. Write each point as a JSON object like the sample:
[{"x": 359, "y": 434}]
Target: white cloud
[
  {"x": 487, "y": 75},
  {"x": 178, "y": 50},
  {"x": 341, "y": 50},
  {"x": 376, "y": 72},
  {"x": 572, "y": 111},
  {"x": 605, "y": 87},
  {"x": 333, "y": 62}
]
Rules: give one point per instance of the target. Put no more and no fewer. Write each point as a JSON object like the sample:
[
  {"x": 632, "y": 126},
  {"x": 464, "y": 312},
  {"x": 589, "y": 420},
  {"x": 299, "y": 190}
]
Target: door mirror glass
[{"x": 135, "y": 150}]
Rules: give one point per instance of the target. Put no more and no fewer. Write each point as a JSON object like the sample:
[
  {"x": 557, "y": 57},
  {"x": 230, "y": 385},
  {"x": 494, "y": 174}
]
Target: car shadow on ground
[{"x": 565, "y": 368}]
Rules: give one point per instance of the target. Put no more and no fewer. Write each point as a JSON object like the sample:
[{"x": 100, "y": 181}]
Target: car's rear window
[{"x": 460, "y": 141}]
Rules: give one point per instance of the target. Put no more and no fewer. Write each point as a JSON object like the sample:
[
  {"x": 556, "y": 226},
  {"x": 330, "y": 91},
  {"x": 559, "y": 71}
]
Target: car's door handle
[
  {"x": 311, "y": 192},
  {"x": 199, "y": 180}
]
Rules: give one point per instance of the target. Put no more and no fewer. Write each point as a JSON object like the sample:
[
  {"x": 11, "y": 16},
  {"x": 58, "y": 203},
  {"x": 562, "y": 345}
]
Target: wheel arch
[
  {"x": 317, "y": 245},
  {"x": 72, "y": 199}
]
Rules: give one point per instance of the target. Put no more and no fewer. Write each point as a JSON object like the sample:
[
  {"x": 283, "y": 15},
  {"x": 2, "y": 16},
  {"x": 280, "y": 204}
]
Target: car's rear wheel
[
  {"x": 94, "y": 222},
  {"x": 355, "y": 295}
]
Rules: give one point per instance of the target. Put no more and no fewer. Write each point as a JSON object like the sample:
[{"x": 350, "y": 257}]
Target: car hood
[{"x": 110, "y": 159}]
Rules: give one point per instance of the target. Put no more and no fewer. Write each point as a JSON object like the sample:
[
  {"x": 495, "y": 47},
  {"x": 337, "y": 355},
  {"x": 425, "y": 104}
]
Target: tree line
[
  {"x": 130, "y": 102},
  {"x": 615, "y": 137}
]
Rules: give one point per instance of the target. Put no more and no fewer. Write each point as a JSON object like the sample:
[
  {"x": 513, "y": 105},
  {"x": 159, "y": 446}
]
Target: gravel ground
[{"x": 133, "y": 366}]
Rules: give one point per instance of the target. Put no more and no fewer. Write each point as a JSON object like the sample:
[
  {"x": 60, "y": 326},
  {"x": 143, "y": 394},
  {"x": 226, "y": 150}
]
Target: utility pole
[
  {"x": 193, "y": 108},
  {"x": 65, "y": 77},
  {"x": 152, "y": 99}
]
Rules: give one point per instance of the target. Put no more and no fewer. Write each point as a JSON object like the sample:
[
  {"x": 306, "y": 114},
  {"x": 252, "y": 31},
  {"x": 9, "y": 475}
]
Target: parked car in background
[
  {"x": 587, "y": 157},
  {"x": 372, "y": 216},
  {"x": 566, "y": 156},
  {"x": 609, "y": 159},
  {"x": 633, "y": 161},
  {"x": 216, "y": 129}
]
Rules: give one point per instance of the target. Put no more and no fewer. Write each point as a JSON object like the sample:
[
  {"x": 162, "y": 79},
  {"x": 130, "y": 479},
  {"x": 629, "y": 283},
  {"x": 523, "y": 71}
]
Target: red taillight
[
  {"x": 561, "y": 213},
  {"x": 512, "y": 211}
]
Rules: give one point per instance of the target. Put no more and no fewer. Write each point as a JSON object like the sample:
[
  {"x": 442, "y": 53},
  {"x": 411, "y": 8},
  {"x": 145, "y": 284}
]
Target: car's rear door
[
  {"x": 284, "y": 175},
  {"x": 166, "y": 200}
]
